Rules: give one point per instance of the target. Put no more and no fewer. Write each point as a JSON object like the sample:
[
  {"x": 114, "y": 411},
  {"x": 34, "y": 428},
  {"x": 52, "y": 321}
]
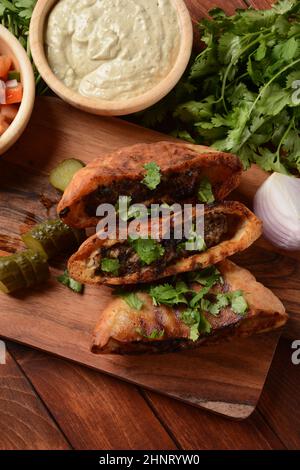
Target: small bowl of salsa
[{"x": 17, "y": 89}]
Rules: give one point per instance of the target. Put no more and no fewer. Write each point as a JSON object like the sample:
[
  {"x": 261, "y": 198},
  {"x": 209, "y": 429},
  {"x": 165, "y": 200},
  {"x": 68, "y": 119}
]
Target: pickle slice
[
  {"x": 26, "y": 269},
  {"x": 11, "y": 277},
  {"x": 39, "y": 239},
  {"x": 61, "y": 176},
  {"x": 53, "y": 237},
  {"x": 39, "y": 265},
  {"x": 23, "y": 269}
]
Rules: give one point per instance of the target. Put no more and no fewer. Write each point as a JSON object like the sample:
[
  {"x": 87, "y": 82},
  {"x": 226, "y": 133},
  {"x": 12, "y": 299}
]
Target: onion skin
[{"x": 277, "y": 204}]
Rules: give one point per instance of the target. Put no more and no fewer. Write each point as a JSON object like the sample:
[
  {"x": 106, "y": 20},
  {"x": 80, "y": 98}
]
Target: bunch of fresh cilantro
[
  {"x": 241, "y": 94},
  {"x": 15, "y": 15}
]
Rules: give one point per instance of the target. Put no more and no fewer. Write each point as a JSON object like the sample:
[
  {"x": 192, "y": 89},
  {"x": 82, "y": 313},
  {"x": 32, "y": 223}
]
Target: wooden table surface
[{"x": 49, "y": 403}]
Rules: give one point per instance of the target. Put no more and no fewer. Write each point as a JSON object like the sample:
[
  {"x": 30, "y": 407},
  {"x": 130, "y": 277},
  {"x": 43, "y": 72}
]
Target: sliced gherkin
[
  {"x": 26, "y": 269},
  {"x": 21, "y": 270},
  {"x": 11, "y": 277},
  {"x": 53, "y": 237},
  {"x": 61, "y": 176},
  {"x": 39, "y": 265}
]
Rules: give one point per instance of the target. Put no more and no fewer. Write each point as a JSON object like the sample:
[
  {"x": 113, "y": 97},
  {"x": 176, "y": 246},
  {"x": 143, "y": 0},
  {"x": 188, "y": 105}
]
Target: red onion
[
  {"x": 2, "y": 92},
  {"x": 11, "y": 83},
  {"x": 277, "y": 204}
]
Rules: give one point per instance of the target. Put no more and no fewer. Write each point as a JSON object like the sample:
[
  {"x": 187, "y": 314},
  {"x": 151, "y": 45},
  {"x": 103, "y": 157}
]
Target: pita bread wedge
[
  {"x": 229, "y": 227},
  {"x": 123, "y": 329},
  {"x": 121, "y": 173}
]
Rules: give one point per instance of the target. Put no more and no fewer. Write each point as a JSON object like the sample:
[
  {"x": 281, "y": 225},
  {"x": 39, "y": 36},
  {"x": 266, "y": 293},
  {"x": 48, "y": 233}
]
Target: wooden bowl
[
  {"x": 97, "y": 105},
  {"x": 10, "y": 45}
]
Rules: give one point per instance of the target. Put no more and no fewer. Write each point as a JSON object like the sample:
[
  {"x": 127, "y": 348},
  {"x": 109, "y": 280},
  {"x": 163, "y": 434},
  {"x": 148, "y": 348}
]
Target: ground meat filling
[
  {"x": 185, "y": 184},
  {"x": 215, "y": 230}
]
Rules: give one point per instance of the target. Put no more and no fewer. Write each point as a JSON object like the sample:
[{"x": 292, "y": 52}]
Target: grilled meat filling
[
  {"x": 215, "y": 229},
  {"x": 186, "y": 185}
]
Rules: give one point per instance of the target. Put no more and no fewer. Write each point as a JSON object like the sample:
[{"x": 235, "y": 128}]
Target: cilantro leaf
[
  {"x": 206, "y": 277},
  {"x": 190, "y": 316},
  {"x": 195, "y": 242},
  {"x": 167, "y": 294},
  {"x": 110, "y": 265},
  {"x": 133, "y": 300},
  {"x": 67, "y": 281},
  {"x": 204, "y": 326},
  {"x": 194, "y": 332},
  {"x": 238, "y": 302},
  {"x": 147, "y": 249},
  {"x": 205, "y": 192},
  {"x": 153, "y": 176}
]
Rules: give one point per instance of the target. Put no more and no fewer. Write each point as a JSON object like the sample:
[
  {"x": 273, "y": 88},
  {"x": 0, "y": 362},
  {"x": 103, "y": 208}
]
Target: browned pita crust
[
  {"x": 223, "y": 170},
  {"x": 246, "y": 232},
  {"x": 120, "y": 325}
]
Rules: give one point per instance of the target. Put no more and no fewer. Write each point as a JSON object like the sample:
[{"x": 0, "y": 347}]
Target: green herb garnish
[
  {"x": 208, "y": 276},
  {"x": 238, "y": 302},
  {"x": 195, "y": 242},
  {"x": 109, "y": 265},
  {"x": 147, "y": 249},
  {"x": 67, "y": 281},
  {"x": 133, "y": 300},
  {"x": 169, "y": 295},
  {"x": 199, "y": 303},
  {"x": 205, "y": 192},
  {"x": 241, "y": 94},
  {"x": 153, "y": 176}
]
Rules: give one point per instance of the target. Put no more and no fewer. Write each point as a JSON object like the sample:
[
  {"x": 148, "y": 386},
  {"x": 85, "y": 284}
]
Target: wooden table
[{"x": 49, "y": 403}]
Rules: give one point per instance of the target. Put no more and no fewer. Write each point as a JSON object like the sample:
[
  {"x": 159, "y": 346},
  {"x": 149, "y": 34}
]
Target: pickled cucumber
[
  {"x": 21, "y": 270},
  {"x": 53, "y": 237},
  {"x": 11, "y": 277},
  {"x": 61, "y": 176},
  {"x": 39, "y": 265},
  {"x": 26, "y": 269}
]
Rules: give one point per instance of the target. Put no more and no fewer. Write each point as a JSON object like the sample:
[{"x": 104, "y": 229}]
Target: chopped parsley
[
  {"x": 169, "y": 295},
  {"x": 199, "y": 303},
  {"x": 208, "y": 276},
  {"x": 67, "y": 281},
  {"x": 195, "y": 242},
  {"x": 238, "y": 302},
  {"x": 133, "y": 300},
  {"x": 109, "y": 265},
  {"x": 147, "y": 249},
  {"x": 152, "y": 177},
  {"x": 205, "y": 192}
]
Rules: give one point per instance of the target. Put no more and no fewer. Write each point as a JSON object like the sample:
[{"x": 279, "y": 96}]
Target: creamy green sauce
[{"x": 112, "y": 49}]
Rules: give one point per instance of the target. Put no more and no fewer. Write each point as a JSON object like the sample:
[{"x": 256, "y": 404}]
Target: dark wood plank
[
  {"x": 279, "y": 402},
  {"x": 94, "y": 411},
  {"x": 281, "y": 274},
  {"x": 25, "y": 422},
  {"x": 197, "y": 429}
]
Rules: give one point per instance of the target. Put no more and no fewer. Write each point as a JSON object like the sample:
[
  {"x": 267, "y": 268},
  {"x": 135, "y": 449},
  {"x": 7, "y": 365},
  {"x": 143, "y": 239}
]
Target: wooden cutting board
[{"x": 226, "y": 378}]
